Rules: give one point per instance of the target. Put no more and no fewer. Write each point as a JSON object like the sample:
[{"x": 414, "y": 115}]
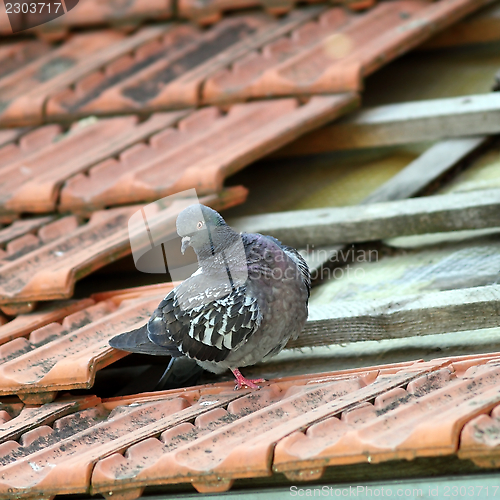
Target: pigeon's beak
[{"x": 186, "y": 241}]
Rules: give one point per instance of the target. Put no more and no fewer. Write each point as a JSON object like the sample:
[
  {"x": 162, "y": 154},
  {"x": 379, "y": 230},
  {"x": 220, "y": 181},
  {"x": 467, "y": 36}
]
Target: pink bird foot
[{"x": 242, "y": 381}]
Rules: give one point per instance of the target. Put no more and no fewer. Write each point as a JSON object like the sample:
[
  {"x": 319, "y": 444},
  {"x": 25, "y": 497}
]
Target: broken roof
[{"x": 104, "y": 109}]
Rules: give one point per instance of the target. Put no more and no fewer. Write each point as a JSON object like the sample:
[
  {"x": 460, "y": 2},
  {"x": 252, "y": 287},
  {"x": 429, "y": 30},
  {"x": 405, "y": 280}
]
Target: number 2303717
[{"x": 32, "y": 7}]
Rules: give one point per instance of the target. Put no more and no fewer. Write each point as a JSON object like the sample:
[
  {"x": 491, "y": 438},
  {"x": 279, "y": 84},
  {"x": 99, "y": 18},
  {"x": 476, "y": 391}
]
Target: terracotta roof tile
[
  {"x": 133, "y": 293},
  {"x": 236, "y": 83},
  {"x": 211, "y": 11},
  {"x": 211, "y": 435},
  {"x": 25, "y": 91},
  {"x": 200, "y": 152},
  {"x": 170, "y": 71},
  {"x": 266, "y": 57},
  {"x": 481, "y": 27},
  {"x": 23, "y": 324},
  {"x": 89, "y": 13},
  {"x": 210, "y": 141},
  {"x": 463, "y": 366},
  {"x": 480, "y": 440},
  {"x": 99, "y": 92},
  {"x": 79, "y": 322},
  {"x": 8, "y": 136},
  {"x": 96, "y": 432},
  {"x": 23, "y": 227},
  {"x": 32, "y": 183},
  {"x": 66, "y": 355},
  {"x": 243, "y": 56},
  {"x": 19, "y": 308},
  {"x": 99, "y": 12},
  {"x": 46, "y": 264},
  {"x": 20, "y": 423},
  {"x": 243, "y": 447},
  {"x": 27, "y": 144},
  {"x": 15, "y": 55},
  {"x": 423, "y": 420},
  {"x": 335, "y": 52}
]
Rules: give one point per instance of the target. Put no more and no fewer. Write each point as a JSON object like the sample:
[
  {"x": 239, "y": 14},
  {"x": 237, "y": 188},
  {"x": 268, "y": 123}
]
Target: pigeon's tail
[
  {"x": 180, "y": 372},
  {"x": 138, "y": 341}
]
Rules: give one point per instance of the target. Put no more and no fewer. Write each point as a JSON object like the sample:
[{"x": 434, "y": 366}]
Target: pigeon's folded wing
[{"x": 209, "y": 330}]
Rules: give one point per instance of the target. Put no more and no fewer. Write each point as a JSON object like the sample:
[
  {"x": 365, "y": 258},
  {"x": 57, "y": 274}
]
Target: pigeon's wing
[
  {"x": 138, "y": 341},
  {"x": 209, "y": 330}
]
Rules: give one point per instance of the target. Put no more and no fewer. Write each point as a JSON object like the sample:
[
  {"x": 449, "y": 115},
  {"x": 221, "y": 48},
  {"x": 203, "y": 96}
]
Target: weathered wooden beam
[
  {"x": 429, "y": 214},
  {"x": 426, "y": 314},
  {"x": 416, "y": 176},
  {"x": 404, "y": 123},
  {"x": 428, "y": 167}
]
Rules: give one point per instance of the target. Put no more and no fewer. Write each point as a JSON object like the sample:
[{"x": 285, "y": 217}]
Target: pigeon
[{"x": 247, "y": 299}]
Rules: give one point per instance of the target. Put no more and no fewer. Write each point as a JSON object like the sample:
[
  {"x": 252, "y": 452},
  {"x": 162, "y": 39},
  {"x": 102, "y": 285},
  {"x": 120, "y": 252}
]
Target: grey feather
[{"x": 138, "y": 341}]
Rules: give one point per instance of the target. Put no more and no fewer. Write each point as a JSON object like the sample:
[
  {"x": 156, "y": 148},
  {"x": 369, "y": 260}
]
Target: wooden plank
[
  {"x": 404, "y": 123},
  {"x": 429, "y": 166},
  {"x": 372, "y": 274},
  {"x": 429, "y": 214},
  {"x": 425, "y": 314}
]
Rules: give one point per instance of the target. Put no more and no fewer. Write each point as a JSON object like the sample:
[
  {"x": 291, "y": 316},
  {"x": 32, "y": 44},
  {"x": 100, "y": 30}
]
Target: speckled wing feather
[{"x": 209, "y": 330}]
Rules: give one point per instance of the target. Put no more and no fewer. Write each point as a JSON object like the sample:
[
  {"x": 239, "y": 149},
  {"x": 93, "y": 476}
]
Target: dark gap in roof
[
  {"x": 420, "y": 75},
  {"x": 119, "y": 274}
]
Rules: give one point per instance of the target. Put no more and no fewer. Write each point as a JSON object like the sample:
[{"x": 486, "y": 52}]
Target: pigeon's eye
[{"x": 200, "y": 224}]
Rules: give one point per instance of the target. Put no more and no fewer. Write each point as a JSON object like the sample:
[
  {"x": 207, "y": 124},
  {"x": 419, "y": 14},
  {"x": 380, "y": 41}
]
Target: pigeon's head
[{"x": 202, "y": 228}]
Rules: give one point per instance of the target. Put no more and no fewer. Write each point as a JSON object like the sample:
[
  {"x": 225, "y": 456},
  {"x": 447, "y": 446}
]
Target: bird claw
[
  {"x": 242, "y": 381},
  {"x": 250, "y": 383}
]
